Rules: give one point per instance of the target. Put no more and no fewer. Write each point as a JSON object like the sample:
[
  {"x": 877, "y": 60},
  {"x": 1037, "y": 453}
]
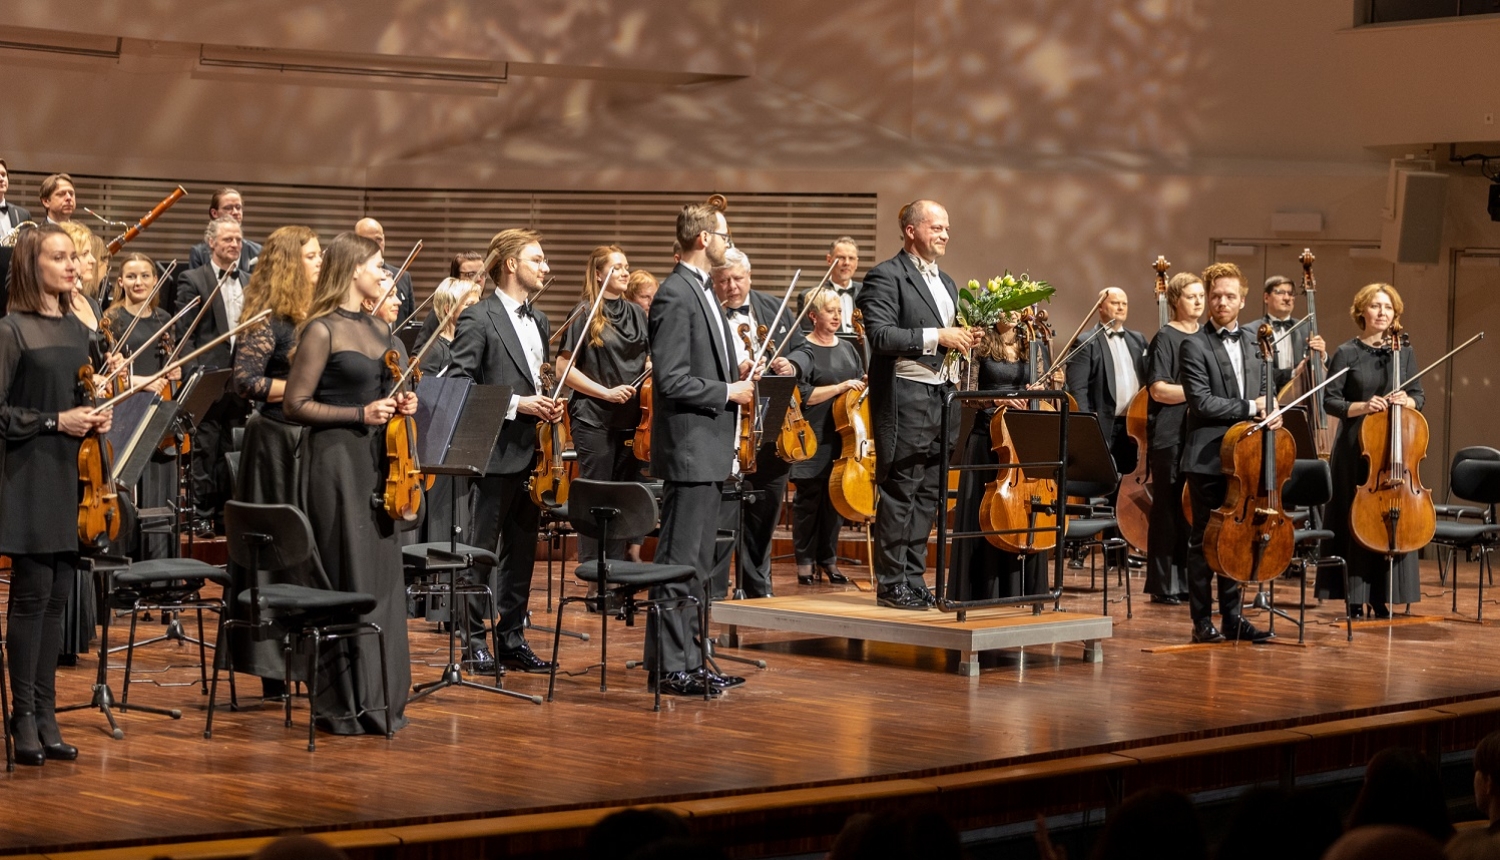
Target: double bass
[
  {"x": 851, "y": 486},
  {"x": 1323, "y": 430},
  {"x": 1392, "y": 512},
  {"x": 1133, "y": 505},
  {"x": 1250, "y": 538}
]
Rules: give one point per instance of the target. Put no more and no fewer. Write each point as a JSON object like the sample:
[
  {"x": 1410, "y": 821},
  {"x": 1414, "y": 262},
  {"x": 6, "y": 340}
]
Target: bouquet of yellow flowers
[{"x": 983, "y": 306}]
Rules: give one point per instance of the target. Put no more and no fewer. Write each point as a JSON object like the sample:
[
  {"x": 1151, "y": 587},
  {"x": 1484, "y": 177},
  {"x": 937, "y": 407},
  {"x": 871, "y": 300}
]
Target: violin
[
  {"x": 851, "y": 486},
  {"x": 1133, "y": 504},
  {"x": 747, "y": 443},
  {"x": 640, "y": 444},
  {"x": 553, "y": 475},
  {"x": 99, "y": 505},
  {"x": 1012, "y": 501},
  {"x": 1250, "y": 538},
  {"x": 797, "y": 441},
  {"x": 1392, "y": 512},
  {"x": 404, "y": 481}
]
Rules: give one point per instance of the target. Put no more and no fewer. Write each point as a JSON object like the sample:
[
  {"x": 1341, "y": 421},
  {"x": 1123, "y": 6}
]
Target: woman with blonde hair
[
  {"x": 85, "y": 299},
  {"x": 641, "y": 288},
  {"x": 272, "y": 469},
  {"x": 450, "y": 294}
]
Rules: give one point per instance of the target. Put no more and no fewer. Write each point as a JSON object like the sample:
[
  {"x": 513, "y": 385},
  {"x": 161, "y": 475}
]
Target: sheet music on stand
[
  {"x": 138, "y": 425},
  {"x": 458, "y": 423},
  {"x": 775, "y": 397}
]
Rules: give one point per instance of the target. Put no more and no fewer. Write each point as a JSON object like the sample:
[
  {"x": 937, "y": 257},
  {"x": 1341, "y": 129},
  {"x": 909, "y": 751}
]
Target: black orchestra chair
[
  {"x": 268, "y": 538},
  {"x": 1460, "y": 512},
  {"x": 1307, "y": 489},
  {"x": 434, "y": 570},
  {"x": 169, "y": 586},
  {"x": 619, "y": 510},
  {"x": 1093, "y": 526},
  {"x": 1476, "y": 478}
]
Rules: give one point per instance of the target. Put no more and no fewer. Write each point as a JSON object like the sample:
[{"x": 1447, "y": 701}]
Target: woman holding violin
[
  {"x": 827, "y": 366},
  {"x": 1361, "y": 392},
  {"x": 272, "y": 466},
  {"x": 612, "y": 355},
  {"x": 43, "y": 346},
  {"x": 1166, "y": 413},
  {"x": 337, "y": 386},
  {"x": 135, "y": 316},
  {"x": 976, "y": 568}
]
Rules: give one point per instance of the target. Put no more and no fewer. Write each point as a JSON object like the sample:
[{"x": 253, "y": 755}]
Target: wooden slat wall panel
[{"x": 780, "y": 232}]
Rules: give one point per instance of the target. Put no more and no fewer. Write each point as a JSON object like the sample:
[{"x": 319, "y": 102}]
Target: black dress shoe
[
  {"x": 1380, "y": 611},
  {"x": 723, "y": 682},
  {"x": 53, "y": 746},
  {"x": 805, "y": 575},
  {"x": 523, "y": 658},
  {"x": 1240, "y": 630},
  {"x": 685, "y": 684},
  {"x": 480, "y": 661},
  {"x": 1165, "y": 600},
  {"x": 28, "y": 746},
  {"x": 1205, "y": 631},
  {"x": 833, "y": 574},
  {"x": 901, "y": 597},
  {"x": 925, "y": 594}
]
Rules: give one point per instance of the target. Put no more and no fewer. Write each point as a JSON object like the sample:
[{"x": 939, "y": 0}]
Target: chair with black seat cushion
[
  {"x": 1476, "y": 478},
  {"x": 1306, "y": 491},
  {"x": 1094, "y": 525},
  {"x": 170, "y": 586},
  {"x": 268, "y": 538},
  {"x": 615, "y": 510}
]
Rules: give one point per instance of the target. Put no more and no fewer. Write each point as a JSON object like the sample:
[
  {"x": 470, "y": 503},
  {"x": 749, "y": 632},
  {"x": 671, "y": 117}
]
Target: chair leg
[
  {"x": 385, "y": 687},
  {"x": 129, "y": 659},
  {"x": 312, "y": 705},
  {"x": 1483, "y": 563},
  {"x": 556, "y": 642},
  {"x": 286, "y": 680},
  {"x": 653, "y": 617},
  {"x": 213, "y": 687},
  {"x": 202, "y": 653},
  {"x": 603, "y": 638}
]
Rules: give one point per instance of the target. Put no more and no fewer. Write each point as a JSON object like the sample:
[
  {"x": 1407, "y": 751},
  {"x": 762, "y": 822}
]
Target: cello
[
  {"x": 851, "y": 486},
  {"x": 1250, "y": 538},
  {"x": 1012, "y": 502},
  {"x": 1392, "y": 512},
  {"x": 1133, "y": 505}
]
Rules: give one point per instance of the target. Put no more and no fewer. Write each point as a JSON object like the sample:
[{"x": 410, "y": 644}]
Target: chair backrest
[
  {"x": 1473, "y": 452},
  {"x": 1477, "y": 480},
  {"x": 1310, "y": 484},
  {"x": 267, "y": 537},
  {"x": 636, "y": 506}
]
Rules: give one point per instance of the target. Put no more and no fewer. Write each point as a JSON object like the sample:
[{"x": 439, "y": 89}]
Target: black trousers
[
  {"x": 505, "y": 519},
  {"x": 1207, "y": 493},
  {"x": 762, "y": 511},
  {"x": 1167, "y": 534},
  {"x": 912, "y": 488},
  {"x": 603, "y": 456},
  {"x": 689, "y": 529},
  {"x": 207, "y": 466},
  {"x": 39, "y": 589},
  {"x": 815, "y": 523}
]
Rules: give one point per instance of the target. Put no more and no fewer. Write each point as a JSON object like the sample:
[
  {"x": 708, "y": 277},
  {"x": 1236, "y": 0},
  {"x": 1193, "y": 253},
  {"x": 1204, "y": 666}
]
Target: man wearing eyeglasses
[
  {"x": 697, "y": 394},
  {"x": 1291, "y": 351}
]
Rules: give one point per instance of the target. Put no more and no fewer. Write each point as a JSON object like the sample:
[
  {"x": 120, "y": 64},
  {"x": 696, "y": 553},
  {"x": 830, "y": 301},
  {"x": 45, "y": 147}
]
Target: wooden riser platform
[{"x": 855, "y": 615}]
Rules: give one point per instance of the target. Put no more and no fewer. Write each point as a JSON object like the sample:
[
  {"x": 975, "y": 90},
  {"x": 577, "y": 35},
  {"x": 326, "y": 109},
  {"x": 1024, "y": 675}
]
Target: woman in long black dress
[
  {"x": 1358, "y": 393},
  {"x": 337, "y": 386},
  {"x": 605, "y": 406},
  {"x": 977, "y": 569},
  {"x": 1167, "y": 534},
  {"x": 827, "y": 366},
  {"x": 272, "y": 465},
  {"x": 42, "y": 348}
]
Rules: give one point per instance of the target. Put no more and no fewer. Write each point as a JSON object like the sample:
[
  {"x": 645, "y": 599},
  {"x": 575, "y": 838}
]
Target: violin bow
[
  {"x": 384, "y": 297},
  {"x": 182, "y": 341},
  {"x": 563, "y": 329},
  {"x": 1288, "y": 333},
  {"x": 120, "y": 341},
  {"x": 583, "y": 341},
  {"x": 1452, "y": 352},
  {"x": 1071, "y": 354},
  {"x": 160, "y": 374},
  {"x": 1261, "y": 425},
  {"x": 161, "y": 332},
  {"x": 416, "y": 360},
  {"x": 1078, "y": 331},
  {"x": 812, "y": 299}
]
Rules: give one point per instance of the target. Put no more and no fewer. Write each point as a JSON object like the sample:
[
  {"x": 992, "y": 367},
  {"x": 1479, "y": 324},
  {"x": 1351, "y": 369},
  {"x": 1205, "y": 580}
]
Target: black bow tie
[
  {"x": 742, "y": 310},
  {"x": 230, "y": 275},
  {"x": 1227, "y": 334},
  {"x": 1115, "y": 333},
  {"x": 525, "y": 310},
  {"x": 1282, "y": 325}
]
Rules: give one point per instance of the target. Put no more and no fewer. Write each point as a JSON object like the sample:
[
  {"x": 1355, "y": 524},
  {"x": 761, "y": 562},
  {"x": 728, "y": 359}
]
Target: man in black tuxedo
[
  {"x": 226, "y": 203},
  {"x": 214, "y": 438},
  {"x": 1220, "y": 371},
  {"x": 11, "y": 214},
  {"x": 502, "y": 340},
  {"x": 909, "y": 309},
  {"x": 697, "y": 394},
  {"x": 845, "y": 252},
  {"x": 371, "y": 229},
  {"x": 1107, "y": 373},
  {"x": 767, "y": 484},
  {"x": 1291, "y": 351}
]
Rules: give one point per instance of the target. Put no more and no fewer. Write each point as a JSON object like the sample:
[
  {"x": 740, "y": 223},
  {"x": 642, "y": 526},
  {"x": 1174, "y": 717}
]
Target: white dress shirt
[
  {"x": 1237, "y": 361},
  {"x": 233, "y": 294},
  {"x": 531, "y": 344},
  {"x": 1126, "y": 381},
  {"x": 915, "y": 371}
]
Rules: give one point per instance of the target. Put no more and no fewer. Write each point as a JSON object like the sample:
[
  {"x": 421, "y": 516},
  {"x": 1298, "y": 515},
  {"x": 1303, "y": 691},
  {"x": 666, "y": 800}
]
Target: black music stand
[
  {"x": 457, "y": 425},
  {"x": 198, "y": 395}
]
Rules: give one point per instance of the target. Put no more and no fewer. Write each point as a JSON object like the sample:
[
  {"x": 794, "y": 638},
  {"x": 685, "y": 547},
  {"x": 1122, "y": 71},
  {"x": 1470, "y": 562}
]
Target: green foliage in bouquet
[{"x": 983, "y": 306}]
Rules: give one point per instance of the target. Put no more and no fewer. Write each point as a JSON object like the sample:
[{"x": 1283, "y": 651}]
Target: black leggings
[{"x": 39, "y": 589}]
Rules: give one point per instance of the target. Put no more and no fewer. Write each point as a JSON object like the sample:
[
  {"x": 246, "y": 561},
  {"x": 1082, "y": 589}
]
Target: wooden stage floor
[{"x": 826, "y": 710}]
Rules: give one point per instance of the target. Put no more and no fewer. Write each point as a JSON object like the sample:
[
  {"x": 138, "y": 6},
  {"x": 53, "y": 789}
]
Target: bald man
[
  {"x": 371, "y": 229},
  {"x": 1108, "y": 372}
]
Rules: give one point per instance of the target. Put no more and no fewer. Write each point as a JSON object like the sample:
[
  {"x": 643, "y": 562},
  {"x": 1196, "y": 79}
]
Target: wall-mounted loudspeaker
[
  {"x": 1415, "y": 234},
  {"x": 1495, "y": 201}
]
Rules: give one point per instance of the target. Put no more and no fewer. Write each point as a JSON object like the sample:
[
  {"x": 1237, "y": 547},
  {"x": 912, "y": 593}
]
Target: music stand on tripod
[
  {"x": 198, "y": 395},
  {"x": 457, "y": 425}
]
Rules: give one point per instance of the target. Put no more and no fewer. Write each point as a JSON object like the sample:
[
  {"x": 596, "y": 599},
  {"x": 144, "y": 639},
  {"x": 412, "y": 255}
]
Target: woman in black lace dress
[
  {"x": 134, "y": 310},
  {"x": 338, "y": 387},
  {"x": 977, "y": 569},
  {"x": 42, "y": 348},
  {"x": 272, "y": 469}
]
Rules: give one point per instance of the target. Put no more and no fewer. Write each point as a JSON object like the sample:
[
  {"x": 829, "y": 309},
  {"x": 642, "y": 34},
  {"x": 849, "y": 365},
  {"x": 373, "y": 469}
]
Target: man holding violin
[
  {"x": 1220, "y": 371},
  {"x": 502, "y": 340},
  {"x": 910, "y": 308}
]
